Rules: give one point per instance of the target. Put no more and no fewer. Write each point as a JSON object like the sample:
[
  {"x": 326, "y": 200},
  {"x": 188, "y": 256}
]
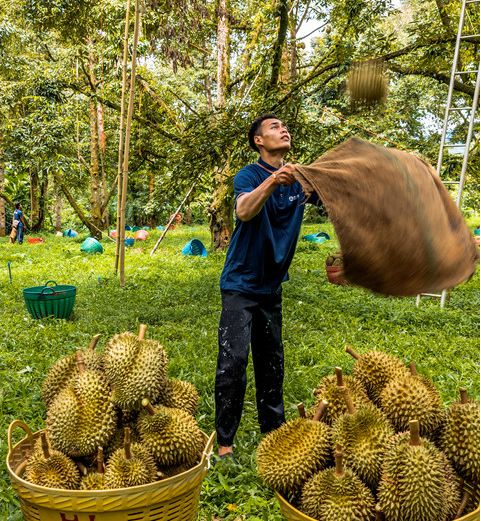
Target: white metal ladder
[{"x": 450, "y": 108}]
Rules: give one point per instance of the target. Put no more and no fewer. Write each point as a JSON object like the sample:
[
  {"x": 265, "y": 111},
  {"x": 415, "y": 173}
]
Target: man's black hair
[
  {"x": 17, "y": 206},
  {"x": 255, "y": 128}
]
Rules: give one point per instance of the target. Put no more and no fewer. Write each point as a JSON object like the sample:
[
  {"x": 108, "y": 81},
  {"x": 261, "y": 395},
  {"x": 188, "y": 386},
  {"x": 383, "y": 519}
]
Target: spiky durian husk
[
  {"x": 139, "y": 470},
  {"x": 288, "y": 456},
  {"x": 93, "y": 481},
  {"x": 407, "y": 398},
  {"x": 329, "y": 391},
  {"x": 459, "y": 439},
  {"x": 375, "y": 370},
  {"x": 173, "y": 471},
  {"x": 413, "y": 485},
  {"x": 363, "y": 437},
  {"x": 171, "y": 435},
  {"x": 453, "y": 494},
  {"x": 117, "y": 440},
  {"x": 82, "y": 417},
  {"x": 63, "y": 370},
  {"x": 327, "y": 497},
  {"x": 179, "y": 394},
  {"x": 58, "y": 471},
  {"x": 136, "y": 369}
]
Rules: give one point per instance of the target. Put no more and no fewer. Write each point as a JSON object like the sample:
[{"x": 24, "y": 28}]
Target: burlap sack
[
  {"x": 399, "y": 229},
  {"x": 13, "y": 235}
]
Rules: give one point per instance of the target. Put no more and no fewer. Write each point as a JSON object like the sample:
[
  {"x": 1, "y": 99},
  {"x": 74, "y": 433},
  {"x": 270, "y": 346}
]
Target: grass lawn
[{"x": 178, "y": 297}]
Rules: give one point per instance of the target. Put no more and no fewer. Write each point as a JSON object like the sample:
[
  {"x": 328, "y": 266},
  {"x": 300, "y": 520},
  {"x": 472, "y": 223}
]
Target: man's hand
[{"x": 285, "y": 175}]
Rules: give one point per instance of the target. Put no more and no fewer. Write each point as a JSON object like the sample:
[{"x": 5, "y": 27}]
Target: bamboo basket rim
[{"x": 203, "y": 465}]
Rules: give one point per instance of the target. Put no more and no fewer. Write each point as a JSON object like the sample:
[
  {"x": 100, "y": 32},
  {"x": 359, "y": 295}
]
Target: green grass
[{"x": 179, "y": 299}]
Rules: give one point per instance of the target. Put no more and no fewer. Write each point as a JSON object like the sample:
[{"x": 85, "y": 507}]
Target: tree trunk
[
  {"x": 151, "y": 218},
  {"x": 58, "y": 209},
  {"x": 95, "y": 175},
  {"x": 294, "y": 73},
  {"x": 281, "y": 38},
  {"x": 221, "y": 209},
  {"x": 2, "y": 202},
  {"x": 42, "y": 203},
  {"x": 33, "y": 196},
  {"x": 188, "y": 217},
  {"x": 223, "y": 51},
  {"x": 73, "y": 203}
]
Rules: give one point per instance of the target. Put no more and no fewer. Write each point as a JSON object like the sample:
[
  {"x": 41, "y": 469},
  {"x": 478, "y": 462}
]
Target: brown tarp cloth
[{"x": 399, "y": 229}]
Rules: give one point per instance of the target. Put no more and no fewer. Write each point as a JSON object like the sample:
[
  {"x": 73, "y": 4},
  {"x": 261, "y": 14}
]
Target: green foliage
[{"x": 178, "y": 297}]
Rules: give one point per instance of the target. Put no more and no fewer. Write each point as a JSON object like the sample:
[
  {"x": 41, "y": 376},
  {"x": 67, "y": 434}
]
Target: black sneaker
[{"x": 229, "y": 457}]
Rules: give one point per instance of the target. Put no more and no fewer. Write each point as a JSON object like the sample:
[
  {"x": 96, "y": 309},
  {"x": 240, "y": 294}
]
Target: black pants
[{"x": 255, "y": 320}]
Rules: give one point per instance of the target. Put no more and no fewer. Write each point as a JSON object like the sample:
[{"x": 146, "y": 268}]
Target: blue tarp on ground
[
  {"x": 70, "y": 233},
  {"x": 317, "y": 237},
  {"x": 195, "y": 247}
]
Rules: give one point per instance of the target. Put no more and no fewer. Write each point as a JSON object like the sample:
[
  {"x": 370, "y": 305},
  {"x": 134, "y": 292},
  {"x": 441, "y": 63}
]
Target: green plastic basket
[{"x": 50, "y": 301}]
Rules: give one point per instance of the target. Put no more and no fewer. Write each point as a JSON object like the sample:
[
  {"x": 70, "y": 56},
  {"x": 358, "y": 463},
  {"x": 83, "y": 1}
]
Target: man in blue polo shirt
[{"x": 269, "y": 209}]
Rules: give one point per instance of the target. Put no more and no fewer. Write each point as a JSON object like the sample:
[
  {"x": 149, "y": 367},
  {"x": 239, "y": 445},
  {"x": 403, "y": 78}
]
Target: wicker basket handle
[
  {"x": 13, "y": 425},
  {"x": 48, "y": 282}
]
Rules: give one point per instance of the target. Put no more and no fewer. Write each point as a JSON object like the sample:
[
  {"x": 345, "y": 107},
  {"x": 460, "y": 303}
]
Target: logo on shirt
[{"x": 293, "y": 197}]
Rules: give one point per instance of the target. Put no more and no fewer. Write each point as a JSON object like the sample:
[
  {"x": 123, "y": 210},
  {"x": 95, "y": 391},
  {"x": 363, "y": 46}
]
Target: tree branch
[
  {"x": 160, "y": 102},
  {"x": 73, "y": 203},
  {"x": 85, "y": 164},
  {"x": 443, "y": 78},
  {"x": 400, "y": 52},
  {"x": 116, "y": 107},
  {"x": 7, "y": 200},
  {"x": 444, "y": 15}
]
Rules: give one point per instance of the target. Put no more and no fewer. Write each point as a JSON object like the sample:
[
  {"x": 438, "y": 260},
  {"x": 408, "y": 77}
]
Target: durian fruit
[
  {"x": 169, "y": 472},
  {"x": 82, "y": 417},
  {"x": 367, "y": 83},
  {"x": 65, "y": 369},
  {"x": 51, "y": 468},
  {"x": 95, "y": 479},
  {"x": 337, "y": 494},
  {"x": 431, "y": 388},
  {"x": 331, "y": 390},
  {"x": 130, "y": 466},
  {"x": 291, "y": 454},
  {"x": 414, "y": 485},
  {"x": 454, "y": 505},
  {"x": 179, "y": 394},
  {"x": 171, "y": 435},
  {"x": 428, "y": 383},
  {"x": 135, "y": 367},
  {"x": 363, "y": 435},
  {"x": 459, "y": 437},
  {"x": 125, "y": 418},
  {"x": 375, "y": 370},
  {"x": 408, "y": 397}
]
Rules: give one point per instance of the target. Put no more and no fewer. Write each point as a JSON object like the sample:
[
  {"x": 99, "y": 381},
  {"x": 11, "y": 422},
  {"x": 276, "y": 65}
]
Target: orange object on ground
[{"x": 141, "y": 235}]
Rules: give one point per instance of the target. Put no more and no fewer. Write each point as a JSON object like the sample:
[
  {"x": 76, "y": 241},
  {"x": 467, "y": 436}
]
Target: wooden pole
[
  {"x": 171, "y": 220},
  {"x": 125, "y": 170},
  {"x": 121, "y": 138}
]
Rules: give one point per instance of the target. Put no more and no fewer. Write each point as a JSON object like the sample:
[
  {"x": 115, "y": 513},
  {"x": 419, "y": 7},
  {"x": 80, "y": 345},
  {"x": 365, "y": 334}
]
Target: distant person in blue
[
  {"x": 269, "y": 205},
  {"x": 19, "y": 222}
]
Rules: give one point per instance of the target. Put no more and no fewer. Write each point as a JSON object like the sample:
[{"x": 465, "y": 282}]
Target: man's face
[{"x": 273, "y": 136}]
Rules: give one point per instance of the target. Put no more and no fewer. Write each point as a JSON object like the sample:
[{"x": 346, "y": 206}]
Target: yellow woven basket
[
  {"x": 292, "y": 514},
  {"x": 172, "y": 499}
]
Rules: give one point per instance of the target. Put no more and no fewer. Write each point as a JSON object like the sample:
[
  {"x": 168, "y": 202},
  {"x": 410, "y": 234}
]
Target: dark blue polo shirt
[{"x": 261, "y": 250}]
